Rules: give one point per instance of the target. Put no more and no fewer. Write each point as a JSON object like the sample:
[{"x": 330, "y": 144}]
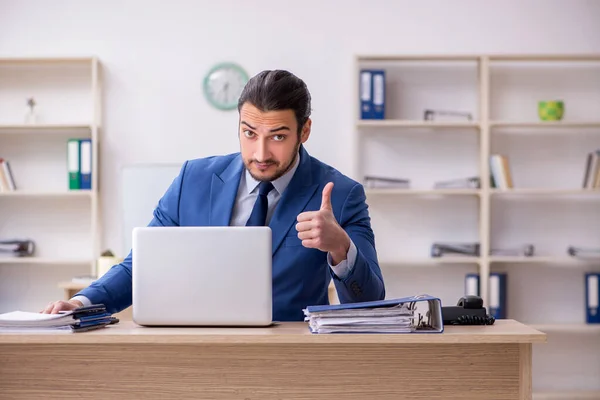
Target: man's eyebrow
[
  {"x": 281, "y": 128},
  {"x": 248, "y": 125}
]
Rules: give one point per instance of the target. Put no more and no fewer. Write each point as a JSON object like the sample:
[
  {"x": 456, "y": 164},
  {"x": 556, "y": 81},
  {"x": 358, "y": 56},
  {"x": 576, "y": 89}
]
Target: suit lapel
[
  {"x": 223, "y": 191},
  {"x": 295, "y": 197}
]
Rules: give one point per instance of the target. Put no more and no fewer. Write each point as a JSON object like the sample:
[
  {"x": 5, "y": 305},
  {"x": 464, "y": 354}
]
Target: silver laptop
[{"x": 202, "y": 276}]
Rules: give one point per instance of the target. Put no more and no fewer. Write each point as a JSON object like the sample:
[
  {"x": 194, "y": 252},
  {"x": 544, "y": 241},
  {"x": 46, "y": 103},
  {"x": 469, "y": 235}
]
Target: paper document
[
  {"x": 23, "y": 319},
  {"x": 405, "y": 315},
  {"x": 81, "y": 319}
]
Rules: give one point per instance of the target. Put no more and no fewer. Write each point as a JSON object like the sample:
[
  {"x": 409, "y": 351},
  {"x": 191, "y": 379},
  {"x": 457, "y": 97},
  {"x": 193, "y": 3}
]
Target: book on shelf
[
  {"x": 526, "y": 250},
  {"x": 17, "y": 247},
  {"x": 79, "y": 164},
  {"x": 584, "y": 252},
  {"x": 7, "y": 180},
  {"x": 447, "y": 116},
  {"x": 472, "y": 182},
  {"x": 468, "y": 249},
  {"x": 501, "y": 176},
  {"x": 376, "y": 182},
  {"x": 591, "y": 177}
]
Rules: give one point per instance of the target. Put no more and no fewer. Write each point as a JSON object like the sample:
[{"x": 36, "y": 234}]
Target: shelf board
[
  {"x": 44, "y": 261},
  {"x": 546, "y": 192},
  {"x": 417, "y": 57},
  {"x": 399, "y": 123},
  {"x": 45, "y": 61},
  {"x": 423, "y": 262},
  {"x": 477, "y": 57},
  {"x": 42, "y": 194},
  {"x": 46, "y": 129},
  {"x": 567, "y": 395},
  {"x": 544, "y": 57},
  {"x": 564, "y": 260},
  {"x": 421, "y": 192},
  {"x": 545, "y": 124},
  {"x": 567, "y": 328}
]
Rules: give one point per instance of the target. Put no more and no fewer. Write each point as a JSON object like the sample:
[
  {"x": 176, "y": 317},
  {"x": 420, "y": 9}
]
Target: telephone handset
[{"x": 468, "y": 311}]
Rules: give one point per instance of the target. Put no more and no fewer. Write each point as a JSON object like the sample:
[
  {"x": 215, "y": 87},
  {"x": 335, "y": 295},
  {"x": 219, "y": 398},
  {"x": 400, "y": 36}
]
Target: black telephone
[{"x": 468, "y": 311}]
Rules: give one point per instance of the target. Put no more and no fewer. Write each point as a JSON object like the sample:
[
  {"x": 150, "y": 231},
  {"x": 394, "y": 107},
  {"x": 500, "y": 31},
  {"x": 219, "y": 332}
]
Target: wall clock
[{"x": 223, "y": 85}]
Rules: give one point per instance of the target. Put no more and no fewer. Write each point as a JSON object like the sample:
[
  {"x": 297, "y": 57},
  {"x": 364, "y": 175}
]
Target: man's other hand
[{"x": 61, "y": 305}]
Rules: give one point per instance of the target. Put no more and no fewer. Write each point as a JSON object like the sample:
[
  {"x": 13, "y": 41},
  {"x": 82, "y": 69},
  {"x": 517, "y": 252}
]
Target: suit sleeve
[
  {"x": 114, "y": 289},
  {"x": 364, "y": 282}
]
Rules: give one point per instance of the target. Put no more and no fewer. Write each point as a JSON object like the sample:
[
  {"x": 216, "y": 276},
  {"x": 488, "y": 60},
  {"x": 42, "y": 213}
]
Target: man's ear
[{"x": 305, "y": 131}]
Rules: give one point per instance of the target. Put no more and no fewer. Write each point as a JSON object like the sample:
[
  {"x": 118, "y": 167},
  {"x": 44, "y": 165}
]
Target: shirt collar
[{"x": 280, "y": 184}]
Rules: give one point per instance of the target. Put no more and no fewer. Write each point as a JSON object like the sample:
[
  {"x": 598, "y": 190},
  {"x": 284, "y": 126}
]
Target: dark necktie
[{"x": 259, "y": 212}]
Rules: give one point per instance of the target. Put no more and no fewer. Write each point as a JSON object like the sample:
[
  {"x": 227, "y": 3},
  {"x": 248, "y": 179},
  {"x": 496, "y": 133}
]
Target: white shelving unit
[
  {"x": 64, "y": 224},
  {"x": 547, "y": 206}
]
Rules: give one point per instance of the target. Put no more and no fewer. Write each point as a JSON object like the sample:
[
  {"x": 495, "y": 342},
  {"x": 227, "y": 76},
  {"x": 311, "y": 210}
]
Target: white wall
[{"x": 155, "y": 55}]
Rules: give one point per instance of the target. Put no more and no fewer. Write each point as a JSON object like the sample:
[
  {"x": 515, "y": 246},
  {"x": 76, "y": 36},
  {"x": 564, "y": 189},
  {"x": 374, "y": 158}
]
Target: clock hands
[{"x": 226, "y": 89}]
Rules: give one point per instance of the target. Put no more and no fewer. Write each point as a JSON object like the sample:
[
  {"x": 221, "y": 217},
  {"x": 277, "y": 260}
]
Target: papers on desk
[
  {"x": 23, "y": 319},
  {"x": 416, "y": 314},
  {"x": 78, "y": 320}
]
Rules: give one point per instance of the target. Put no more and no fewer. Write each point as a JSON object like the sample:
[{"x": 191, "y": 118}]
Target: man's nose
[{"x": 262, "y": 152}]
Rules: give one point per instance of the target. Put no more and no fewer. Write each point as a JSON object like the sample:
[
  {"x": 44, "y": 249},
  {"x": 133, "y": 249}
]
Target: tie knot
[{"x": 264, "y": 188}]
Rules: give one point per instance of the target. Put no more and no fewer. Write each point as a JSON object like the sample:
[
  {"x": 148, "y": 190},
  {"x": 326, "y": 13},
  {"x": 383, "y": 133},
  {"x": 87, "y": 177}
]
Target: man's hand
[
  {"x": 56, "y": 306},
  {"x": 320, "y": 230}
]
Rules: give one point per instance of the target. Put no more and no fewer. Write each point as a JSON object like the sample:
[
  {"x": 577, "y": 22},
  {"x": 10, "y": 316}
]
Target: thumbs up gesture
[{"x": 320, "y": 230}]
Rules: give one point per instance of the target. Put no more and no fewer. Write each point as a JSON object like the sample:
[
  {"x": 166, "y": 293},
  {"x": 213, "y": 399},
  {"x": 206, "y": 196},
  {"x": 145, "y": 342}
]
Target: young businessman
[{"x": 319, "y": 219}]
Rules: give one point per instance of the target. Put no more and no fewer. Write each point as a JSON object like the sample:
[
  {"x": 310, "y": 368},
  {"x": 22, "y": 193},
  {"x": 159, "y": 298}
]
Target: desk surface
[{"x": 503, "y": 331}]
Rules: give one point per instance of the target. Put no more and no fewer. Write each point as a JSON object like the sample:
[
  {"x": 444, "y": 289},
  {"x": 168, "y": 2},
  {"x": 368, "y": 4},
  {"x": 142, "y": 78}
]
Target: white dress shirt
[{"x": 244, "y": 203}]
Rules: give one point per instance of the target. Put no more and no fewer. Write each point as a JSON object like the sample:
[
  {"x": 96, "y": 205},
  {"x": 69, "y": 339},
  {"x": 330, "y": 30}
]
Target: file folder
[
  {"x": 592, "y": 296},
  {"x": 472, "y": 285},
  {"x": 415, "y": 314},
  {"x": 378, "y": 94},
  {"x": 73, "y": 167},
  {"x": 85, "y": 148},
  {"x": 497, "y": 292},
  {"x": 365, "y": 88},
  {"x": 497, "y": 289}
]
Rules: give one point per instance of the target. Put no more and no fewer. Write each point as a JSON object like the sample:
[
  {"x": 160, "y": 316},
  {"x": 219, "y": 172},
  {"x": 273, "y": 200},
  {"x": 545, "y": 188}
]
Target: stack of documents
[
  {"x": 81, "y": 319},
  {"x": 405, "y": 315},
  {"x": 23, "y": 319}
]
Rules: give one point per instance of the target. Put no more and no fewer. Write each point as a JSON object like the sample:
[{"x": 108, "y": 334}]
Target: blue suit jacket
[{"x": 203, "y": 194}]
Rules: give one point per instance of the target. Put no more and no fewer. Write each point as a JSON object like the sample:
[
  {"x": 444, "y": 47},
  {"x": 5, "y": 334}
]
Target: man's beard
[{"x": 278, "y": 173}]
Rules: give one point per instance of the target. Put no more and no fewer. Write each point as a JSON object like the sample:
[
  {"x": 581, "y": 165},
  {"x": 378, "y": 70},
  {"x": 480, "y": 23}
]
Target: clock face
[{"x": 223, "y": 85}]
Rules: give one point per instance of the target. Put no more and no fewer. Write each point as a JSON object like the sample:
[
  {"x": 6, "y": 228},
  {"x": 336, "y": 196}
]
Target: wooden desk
[{"x": 282, "y": 362}]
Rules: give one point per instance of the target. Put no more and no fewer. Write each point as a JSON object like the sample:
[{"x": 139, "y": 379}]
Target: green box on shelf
[{"x": 551, "y": 110}]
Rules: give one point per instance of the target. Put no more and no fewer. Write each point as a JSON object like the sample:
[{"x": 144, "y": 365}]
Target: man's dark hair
[{"x": 278, "y": 90}]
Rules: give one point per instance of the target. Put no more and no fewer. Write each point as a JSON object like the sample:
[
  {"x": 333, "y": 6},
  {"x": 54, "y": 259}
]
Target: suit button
[{"x": 356, "y": 288}]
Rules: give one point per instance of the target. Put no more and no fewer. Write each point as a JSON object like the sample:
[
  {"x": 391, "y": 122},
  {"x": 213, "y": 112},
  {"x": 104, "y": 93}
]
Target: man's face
[{"x": 269, "y": 141}]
